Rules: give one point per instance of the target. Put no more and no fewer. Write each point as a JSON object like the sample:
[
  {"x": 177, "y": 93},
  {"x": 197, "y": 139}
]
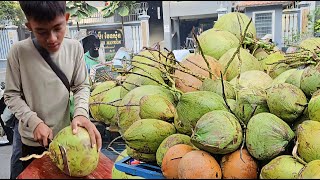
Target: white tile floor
[{"x": 5, "y": 154}]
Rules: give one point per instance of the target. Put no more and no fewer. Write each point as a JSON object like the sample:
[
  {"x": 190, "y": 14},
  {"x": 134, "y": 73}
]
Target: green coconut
[
  {"x": 253, "y": 79},
  {"x": 229, "y": 22},
  {"x": 232, "y": 104},
  {"x": 108, "y": 112},
  {"x": 302, "y": 118},
  {"x": 81, "y": 156},
  {"x": 146, "y": 135},
  {"x": 217, "y": 132},
  {"x": 310, "y": 43},
  {"x": 130, "y": 112},
  {"x": 314, "y": 106},
  {"x": 311, "y": 170},
  {"x": 116, "y": 174},
  {"x": 249, "y": 62},
  {"x": 260, "y": 54},
  {"x": 157, "y": 107},
  {"x": 192, "y": 106},
  {"x": 281, "y": 167},
  {"x": 250, "y": 102},
  {"x": 216, "y": 87},
  {"x": 209, "y": 38},
  {"x": 286, "y": 101},
  {"x": 283, "y": 77},
  {"x": 145, "y": 157},
  {"x": 143, "y": 77},
  {"x": 170, "y": 141},
  {"x": 267, "y": 136},
  {"x": 308, "y": 135},
  {"x": 310, "y": 80},
  {"x": 274, "y": 70},
  {"x": 295, "y": 78},
  {"x": 98, "y": 95}
]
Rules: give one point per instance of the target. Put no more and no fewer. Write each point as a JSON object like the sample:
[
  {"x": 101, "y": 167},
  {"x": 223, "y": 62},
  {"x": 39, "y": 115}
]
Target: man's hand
[
  {"x": 94, "y": 134},
  {"x": 42, "y": 133}
]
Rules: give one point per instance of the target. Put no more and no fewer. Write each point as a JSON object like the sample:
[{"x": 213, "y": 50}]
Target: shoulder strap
[{"x": 46, "y": 56}]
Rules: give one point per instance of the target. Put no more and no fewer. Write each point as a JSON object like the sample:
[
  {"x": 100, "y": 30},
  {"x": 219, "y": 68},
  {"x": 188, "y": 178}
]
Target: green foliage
[
  {"x": 314, "y": 15},
  {"x": 120, "y": 7},
  {"x": 10, "y": 10},
  {"x": 80, "y": 9}
]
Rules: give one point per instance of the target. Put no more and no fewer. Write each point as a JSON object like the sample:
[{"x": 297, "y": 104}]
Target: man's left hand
[{"x": 94, "y": 134}]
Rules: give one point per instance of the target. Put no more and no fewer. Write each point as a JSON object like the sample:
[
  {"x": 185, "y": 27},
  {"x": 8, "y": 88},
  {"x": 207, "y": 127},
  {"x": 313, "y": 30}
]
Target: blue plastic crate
[{"x": 148, "y": 171}]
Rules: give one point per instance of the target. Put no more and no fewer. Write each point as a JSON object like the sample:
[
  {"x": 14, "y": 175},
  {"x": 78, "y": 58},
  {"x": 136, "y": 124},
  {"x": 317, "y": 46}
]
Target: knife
[{"x": 49, "y": 141}]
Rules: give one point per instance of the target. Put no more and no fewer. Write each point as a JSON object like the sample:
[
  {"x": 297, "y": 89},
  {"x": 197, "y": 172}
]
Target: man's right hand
[{"x": 42, "y": 133}]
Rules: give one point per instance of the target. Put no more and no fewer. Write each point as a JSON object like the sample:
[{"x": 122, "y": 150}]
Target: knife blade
[{"x": 65, "y": 160}]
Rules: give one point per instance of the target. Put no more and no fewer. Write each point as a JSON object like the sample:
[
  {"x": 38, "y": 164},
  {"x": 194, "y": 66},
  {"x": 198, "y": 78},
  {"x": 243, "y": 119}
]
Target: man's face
[{"x": 49, "y": 34}]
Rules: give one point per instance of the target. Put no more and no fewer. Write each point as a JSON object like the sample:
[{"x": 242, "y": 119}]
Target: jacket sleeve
[
  {"x": 13, "y": 95},
  {"x": 80, "y": 85}
]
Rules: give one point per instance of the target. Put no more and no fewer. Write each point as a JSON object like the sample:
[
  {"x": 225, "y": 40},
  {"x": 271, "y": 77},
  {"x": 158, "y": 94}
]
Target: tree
[
  {"x": 10, "y": 10},
  {"x": 80, "y": 10},
  {"x": 121, "y": 8}
]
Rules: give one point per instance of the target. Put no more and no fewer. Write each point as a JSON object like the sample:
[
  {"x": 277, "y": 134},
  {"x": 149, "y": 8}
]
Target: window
[{"x": 264, "y": 23}]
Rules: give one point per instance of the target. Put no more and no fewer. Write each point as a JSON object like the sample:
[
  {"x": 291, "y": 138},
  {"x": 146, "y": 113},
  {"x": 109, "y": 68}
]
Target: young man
[{"x": 34, "y": 93}]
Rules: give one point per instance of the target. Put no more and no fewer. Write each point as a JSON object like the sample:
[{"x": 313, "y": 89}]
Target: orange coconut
[
  {"x": 172, "y": 158},
  {"x": 184, "y": 80},
  {"x": 198, "y": 164},
  {"x": 234, "y": 168}
]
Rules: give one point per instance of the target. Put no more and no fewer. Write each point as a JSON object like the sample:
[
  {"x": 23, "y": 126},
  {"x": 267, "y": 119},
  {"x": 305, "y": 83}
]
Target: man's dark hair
[{"x": 43, "y": 10}]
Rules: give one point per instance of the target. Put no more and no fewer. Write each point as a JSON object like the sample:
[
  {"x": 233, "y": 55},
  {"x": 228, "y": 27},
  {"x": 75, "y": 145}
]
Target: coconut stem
[
  {"x": 92, "y": 95},
  {"x": 183, "y": 69},
  {"x": 224, "y": 94},
  {"x": 137, "y": 85},
  {"x": 240, "y": 44},
  {"x": 109, "y": 146},
  {"x": 111, "y": 104},
  {"x": 157, "y": 81},
  {"x": 295, "y": 155},
  {"x": 242, "y": 145},
  {"x": 202, "y": 54},
  {"x": 108, "y": 103}
]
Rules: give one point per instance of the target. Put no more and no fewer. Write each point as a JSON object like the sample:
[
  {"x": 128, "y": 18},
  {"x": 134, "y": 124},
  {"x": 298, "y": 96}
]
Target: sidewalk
[
  {"x": 5, "y": 154},
  {"x": 2, "y": 75}
]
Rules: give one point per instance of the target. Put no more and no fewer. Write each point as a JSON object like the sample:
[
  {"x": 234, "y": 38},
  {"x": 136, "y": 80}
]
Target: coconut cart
[{"x": 237, "y": 108}]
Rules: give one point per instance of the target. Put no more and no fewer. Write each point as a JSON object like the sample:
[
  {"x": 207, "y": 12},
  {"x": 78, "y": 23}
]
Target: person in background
[
  {"x": 91, "y": 57},
  {"x": 268, "y": 39},
  {"x": 39, "y": 99}
]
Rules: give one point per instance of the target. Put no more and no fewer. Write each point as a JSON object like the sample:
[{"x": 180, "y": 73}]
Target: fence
[
  {"x": 290, "y": 26},
  {"x": 296, "y": 25},
  {"x": 4, "y": 49}
]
